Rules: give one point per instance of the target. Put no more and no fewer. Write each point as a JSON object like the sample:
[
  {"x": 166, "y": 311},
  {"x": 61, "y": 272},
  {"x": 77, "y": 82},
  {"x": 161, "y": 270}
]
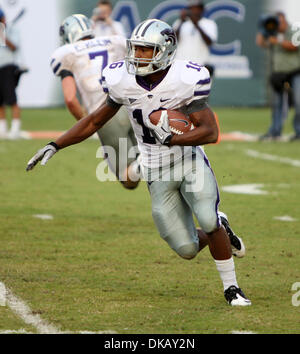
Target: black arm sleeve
[
  {"x": 65, "y": 73},
  {"x": 111, "y": 103},
  {"x": 195, "y": 106}
]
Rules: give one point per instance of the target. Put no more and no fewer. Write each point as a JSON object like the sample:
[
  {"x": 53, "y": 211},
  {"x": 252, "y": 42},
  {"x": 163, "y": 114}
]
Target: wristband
[{"x": 54, "y": 145}]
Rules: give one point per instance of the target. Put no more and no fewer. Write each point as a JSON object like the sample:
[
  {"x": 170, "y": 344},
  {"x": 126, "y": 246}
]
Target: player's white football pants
[{"x": 175, "y": 201}]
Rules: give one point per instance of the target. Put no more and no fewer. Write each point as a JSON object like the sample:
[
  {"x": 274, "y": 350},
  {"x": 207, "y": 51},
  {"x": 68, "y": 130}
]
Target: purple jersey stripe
[
  {"x": 56, "y": 68},
  {"x": 217, "y": 187},
  {"x": 202, "y": 93},
  {"x": 102, "y": 80},
  {"x": 203, "y": 82}
]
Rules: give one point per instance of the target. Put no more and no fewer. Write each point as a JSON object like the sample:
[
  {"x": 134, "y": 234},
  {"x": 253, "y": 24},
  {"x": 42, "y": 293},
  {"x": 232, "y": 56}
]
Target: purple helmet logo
[{"x": 170, "y": 35}]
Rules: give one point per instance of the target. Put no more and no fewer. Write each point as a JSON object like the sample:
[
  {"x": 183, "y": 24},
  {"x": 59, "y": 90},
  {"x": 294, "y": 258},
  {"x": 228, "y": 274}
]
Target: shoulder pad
[
  {"x": 115, "y": 73},
  {"x": 114, "y": 80},
  {"x": 194, "y": 79},
  {"x": 193, "y": 73}
]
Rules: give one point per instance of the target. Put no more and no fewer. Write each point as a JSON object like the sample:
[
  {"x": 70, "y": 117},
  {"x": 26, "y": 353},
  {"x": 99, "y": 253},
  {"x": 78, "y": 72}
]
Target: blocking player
[
  {"x": 150, "y": 79},
  {"x": 79, "y": 63}
]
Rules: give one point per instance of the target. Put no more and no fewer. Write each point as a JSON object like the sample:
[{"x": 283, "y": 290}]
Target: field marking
[
  {"x": 2, "y": 295},
  {"x": 285, "y": 218},
  {"x": 98, "y": 332},
  {"x": 19, "y": 331},
  {"x": 239, "y": 136},
  {"x": 48, "y": 135},
  {"x": 252, "y": 189},
  {"x": 23, "y": 331},
  {"x": 22, "y": 310},
  {"x": 231, "y": 136},
  {"x": 43, "y": 216},
  {"x": 242, "y": 332},
  {"x": 275, "y": 158}
]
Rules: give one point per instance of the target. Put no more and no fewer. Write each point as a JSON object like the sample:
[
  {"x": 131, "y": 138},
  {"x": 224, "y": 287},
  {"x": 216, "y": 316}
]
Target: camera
[{"x": 269, "y": 25}]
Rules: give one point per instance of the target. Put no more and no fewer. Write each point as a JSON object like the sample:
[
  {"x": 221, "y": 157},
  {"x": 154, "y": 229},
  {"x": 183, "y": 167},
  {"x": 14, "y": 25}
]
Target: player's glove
[
  {"x": 162, "y": 130},
  {"x": 43, "y": 154}
]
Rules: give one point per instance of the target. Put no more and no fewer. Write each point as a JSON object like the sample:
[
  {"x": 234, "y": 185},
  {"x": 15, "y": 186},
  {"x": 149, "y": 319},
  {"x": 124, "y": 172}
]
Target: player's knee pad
[
  {"x": 210, "y": 223},
  {"x": 188, "y": 251}
]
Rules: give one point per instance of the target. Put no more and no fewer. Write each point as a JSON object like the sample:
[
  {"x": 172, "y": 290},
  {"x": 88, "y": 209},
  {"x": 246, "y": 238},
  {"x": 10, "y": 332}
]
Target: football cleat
[
  {"x": 237, "y": 244},
  {"x": 235, "y": 297}
]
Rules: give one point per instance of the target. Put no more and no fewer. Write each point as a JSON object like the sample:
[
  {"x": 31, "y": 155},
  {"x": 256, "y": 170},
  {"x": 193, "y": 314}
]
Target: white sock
[
  {"x": 15, "y": 125},
  {"x": 3, "y": 126},
  {"x": 227, "y": 272}
]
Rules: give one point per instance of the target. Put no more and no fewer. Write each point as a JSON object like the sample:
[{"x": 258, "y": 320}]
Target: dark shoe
[
  {"x": 237, "y": 245},
  {"x": 269, "y": 137},
  {"x": 295, "y": 138},
  {"x": 235, "y": 297}
]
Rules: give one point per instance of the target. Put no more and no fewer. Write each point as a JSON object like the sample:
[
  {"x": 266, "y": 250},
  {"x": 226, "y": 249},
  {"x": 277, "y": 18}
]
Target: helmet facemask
[{"x": 152, "y": 65}]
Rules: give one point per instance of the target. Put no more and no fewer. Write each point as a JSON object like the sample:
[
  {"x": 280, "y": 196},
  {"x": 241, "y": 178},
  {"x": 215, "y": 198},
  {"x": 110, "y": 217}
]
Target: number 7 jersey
[
  {"x": 85, "y": 60},
  {"x": 182, "y": 84}
]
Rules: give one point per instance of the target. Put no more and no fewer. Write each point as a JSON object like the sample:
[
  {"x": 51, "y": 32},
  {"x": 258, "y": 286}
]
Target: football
[{"x": 179, "y": 123}]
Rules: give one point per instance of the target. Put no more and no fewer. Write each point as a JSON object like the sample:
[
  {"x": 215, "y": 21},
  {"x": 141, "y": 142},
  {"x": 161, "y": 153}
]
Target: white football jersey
[
  {"x": 184, "y": 82},
  {"x": 86, "y": 60}
]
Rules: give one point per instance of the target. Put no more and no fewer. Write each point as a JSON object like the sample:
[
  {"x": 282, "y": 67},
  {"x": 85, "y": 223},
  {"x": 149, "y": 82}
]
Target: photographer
[
  {"x": 275, "y": 35},
  {"x": 195, "y": 34},
  {"x": 103, "y": 23}
]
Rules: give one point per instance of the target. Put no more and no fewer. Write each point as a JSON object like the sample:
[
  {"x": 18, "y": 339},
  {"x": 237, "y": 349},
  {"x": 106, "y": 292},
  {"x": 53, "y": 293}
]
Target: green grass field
[{"x": 100, "y": 264}]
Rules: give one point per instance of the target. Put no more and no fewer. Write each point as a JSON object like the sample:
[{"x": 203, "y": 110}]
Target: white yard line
[
  {"x": 23, "y": 331},
  {"x": 99, "y": 332},
  {"x": 19, "y": 331},
  {"x": 2, "y": 295},
  {"x": 242, "y": 332},
  {"x": 22, "y": 310},
  {"x": 275, "y": 158},
  {"x": 253, "y": 189},
  {"x": 43, "y": 216},
  {"x": 285, "y": 218}
]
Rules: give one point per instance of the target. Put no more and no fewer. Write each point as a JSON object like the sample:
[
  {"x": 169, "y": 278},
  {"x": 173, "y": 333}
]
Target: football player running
[
  {"x": 149, "y": 79},
  {"x": 79, "y": 63}
]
